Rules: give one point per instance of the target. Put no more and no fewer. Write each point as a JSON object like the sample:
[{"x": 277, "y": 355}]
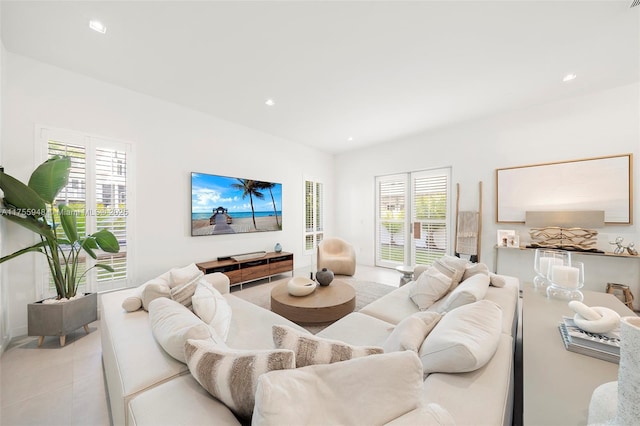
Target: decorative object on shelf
[
  {"x": 247, "y": 256},
  {"x": 596, "y": 319},
  {"x": 277, "y": 248},
  {"x": 300, "y": 286},
  {"x": 324, "y": 277},
  {"x": 33, "y": 207},
  {"x": 578, "y": 239},
  {"x": 505, "y": 236},
  {"x": 620, "y": 249},
  {"x": 618, "y": 403},
  {"x": 566, "y": 280},
  {"x": 543, "y": 260}
]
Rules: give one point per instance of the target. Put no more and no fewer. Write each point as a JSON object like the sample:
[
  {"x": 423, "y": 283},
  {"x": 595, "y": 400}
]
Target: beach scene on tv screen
[{"x": 228, "y": 205}]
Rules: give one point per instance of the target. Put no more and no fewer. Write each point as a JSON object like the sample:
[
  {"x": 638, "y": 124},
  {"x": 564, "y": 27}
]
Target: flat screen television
[{"x": 229, "y": 205}]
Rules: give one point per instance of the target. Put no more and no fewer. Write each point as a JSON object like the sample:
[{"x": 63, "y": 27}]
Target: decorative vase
[
  {"x": 324, "y": 277},
  {"x": 618, "y": 403},
  {"x": 278, "y": 248}
]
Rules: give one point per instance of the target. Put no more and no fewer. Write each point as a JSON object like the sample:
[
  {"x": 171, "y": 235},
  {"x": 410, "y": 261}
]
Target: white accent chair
[{"x": 337, "y": 255}]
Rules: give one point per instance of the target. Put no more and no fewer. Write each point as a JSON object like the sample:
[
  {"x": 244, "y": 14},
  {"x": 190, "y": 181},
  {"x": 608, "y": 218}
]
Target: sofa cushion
[
  {"x": 392, "y": 307},
  {"x": 324, "y": 394},
  {"x": 172, "y": 324},
  {"x": 181, "y": 401},
  {"x": 184, "y": 275},
  {"x": 475, "y": 268},
  {"x": 429, "y": 287},
  {"x": 231, "y": 375},
  {"x": 152, "y": 291},
  {"x": 431, "y": 414},
  {"x": 465, "y": 339},
  {"x": 481, "y": 396},
  {"x": 497, "y": 280},
  {"x": 134, "y": 302},
  {"x": 469, "y": 291},
  {"x": 212, "y": 308},
  {"x": 311, "y": 350},
  {"x": 453, "y": 267},
  {"x": 411, "y": 332},
  {"x": 183, "y": 293}
]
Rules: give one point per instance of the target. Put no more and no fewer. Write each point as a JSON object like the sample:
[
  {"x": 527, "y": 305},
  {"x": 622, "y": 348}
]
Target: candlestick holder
[{"x": 566, "y": 281}]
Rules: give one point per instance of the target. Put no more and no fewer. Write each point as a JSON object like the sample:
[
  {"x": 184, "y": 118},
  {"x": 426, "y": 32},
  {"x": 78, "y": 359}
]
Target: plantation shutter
[
  {"x": 314, "y": 215},
  {"x": 412, "y": 217},
  {"x": 430, "y": 215},
  {"x": 390, "y": 220},
  {"x": 99, "y": 191}
]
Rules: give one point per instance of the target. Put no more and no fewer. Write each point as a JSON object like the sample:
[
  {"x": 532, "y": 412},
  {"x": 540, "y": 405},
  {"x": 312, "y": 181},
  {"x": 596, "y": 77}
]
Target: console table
[
  {"x": 557, "y": 383},
  {"x": 240, "y": 272}
]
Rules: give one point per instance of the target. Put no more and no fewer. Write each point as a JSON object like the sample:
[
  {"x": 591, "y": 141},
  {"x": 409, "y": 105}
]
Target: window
[
  {"x": 99, "y": 191},
  {"x": 412, "y": 217},
  {"x": 314, "y": 215}
]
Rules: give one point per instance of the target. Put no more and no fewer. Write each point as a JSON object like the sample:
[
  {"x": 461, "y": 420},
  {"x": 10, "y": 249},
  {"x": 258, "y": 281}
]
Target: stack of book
[{"x": 604, "y": 346}]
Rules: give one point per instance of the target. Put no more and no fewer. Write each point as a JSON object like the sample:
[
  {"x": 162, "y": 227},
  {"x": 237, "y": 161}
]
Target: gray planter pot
[{"x": 60, "y": 319}]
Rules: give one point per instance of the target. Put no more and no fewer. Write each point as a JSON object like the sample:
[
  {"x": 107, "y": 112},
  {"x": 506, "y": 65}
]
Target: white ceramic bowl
[{"x": 301, "y": 286}]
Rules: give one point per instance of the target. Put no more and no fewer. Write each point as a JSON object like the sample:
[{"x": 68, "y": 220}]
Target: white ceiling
[{"x": 371, "y": 70}]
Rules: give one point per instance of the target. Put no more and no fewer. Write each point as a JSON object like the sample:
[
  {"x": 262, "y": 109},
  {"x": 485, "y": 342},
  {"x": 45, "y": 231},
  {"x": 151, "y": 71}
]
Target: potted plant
[{"x": 32, "y": 207}]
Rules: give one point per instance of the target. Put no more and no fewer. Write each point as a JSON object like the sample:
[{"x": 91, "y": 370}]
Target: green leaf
[
  {"x": 69, "y": 222},
  {"x": 103, "y": 266},
  {"x": 25, "y": 200},
  {"x": 107, "y": 241},
  {"x": 48, "y": 179},
  {"x": 33, "y": 248},
  {"x": 89, "y": 250}
]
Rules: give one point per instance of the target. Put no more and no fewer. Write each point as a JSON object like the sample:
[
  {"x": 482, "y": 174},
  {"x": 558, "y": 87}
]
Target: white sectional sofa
[{"x": 146, "y": 386}]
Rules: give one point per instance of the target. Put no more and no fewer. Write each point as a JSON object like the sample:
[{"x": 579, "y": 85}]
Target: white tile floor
[{"x": 57, "y": 386}]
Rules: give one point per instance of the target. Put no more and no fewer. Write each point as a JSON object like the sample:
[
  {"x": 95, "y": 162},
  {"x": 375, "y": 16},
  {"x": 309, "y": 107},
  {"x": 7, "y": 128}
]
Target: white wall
[
  {"x": 602, "y": 123},
  {"x": 4, "y": 309},
  {"x": 170, "y": 142}
]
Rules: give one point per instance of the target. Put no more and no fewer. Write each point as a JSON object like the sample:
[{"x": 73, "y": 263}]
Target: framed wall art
[{"x": 602, "y": 183}]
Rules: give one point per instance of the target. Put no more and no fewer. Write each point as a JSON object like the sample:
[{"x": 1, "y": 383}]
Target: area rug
[{"x": 260, "y": 294}]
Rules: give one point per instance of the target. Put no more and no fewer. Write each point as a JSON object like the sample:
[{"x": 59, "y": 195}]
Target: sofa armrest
[{"x": 219, "y": 280}]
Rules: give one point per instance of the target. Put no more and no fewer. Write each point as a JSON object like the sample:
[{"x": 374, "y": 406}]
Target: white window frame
[
  {"x": 314, "y": 232},
  {"x": 42, "y": 136},
  {"x": 409, "y": 214}
]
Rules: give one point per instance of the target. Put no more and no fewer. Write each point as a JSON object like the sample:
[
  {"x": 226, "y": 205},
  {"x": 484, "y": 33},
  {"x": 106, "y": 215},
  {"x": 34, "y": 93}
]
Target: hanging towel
[{"x": 467, "y": 238}]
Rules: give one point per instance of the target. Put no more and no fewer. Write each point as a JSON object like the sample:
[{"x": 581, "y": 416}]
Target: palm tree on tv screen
[
  {"x": 249, "y": 187},
  {"x": 270, "y": 186}
]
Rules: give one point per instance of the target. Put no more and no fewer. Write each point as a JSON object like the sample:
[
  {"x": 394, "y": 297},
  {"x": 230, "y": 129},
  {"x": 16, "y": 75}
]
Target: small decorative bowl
[{"x": 301, "y": 286}]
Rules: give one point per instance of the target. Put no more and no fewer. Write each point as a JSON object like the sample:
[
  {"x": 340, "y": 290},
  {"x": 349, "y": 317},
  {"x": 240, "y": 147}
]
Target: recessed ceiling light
[
  {"x": 97, "y": 26},
  {"x": 350, "y": 138},
  {"x": 270, "y": 102},
  {"x": 569, "y": 77}
]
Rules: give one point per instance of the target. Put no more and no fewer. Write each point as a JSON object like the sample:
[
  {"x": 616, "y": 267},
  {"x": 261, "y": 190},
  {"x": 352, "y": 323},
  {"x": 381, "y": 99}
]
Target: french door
[{"x": 412, "y": 217}]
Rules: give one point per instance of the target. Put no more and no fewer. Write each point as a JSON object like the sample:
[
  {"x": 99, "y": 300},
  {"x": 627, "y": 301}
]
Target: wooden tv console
[{"x": 240, "y": 272}]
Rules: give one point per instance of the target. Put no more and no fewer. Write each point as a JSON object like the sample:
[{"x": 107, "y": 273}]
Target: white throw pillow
[
  {"x": 464, "y": 340},
  {"x": 475, "y": 268},
  {"x": 497, "y": 280},
  {"x": 173, "y": 324},
  {"x": 469, "y": 291},
  {"x": 231, "y": 375},
  {"x": 183, "y": 292},
  {"x": 212, "y": 308},
  {"x": 152, "y": 291},
  {"x": 134, "y": 302},
  {"x": 364, "y": 391},
  {"x": 310, "y": 349},
  {"x": 452, "y": 263},
  {"x": 180, "y": 276},
  {"x": 411, "y": 332},
  {"x": 430, "y": 286}
]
